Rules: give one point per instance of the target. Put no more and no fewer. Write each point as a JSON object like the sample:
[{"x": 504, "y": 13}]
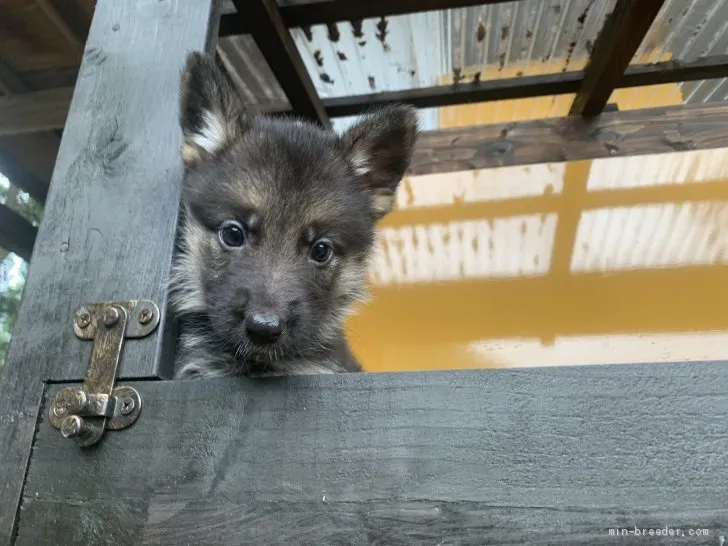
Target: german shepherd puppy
[{"x": 277, "y": 228}]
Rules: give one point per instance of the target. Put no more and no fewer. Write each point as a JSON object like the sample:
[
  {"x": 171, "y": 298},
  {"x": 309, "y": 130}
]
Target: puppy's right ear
[{"x": 211, "y": 113}]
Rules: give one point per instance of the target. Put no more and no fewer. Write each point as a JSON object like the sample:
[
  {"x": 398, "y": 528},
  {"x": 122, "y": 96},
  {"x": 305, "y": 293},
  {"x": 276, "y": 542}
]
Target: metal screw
[
  {"x": 110, "y": 317},
  {"x": 127, "y": 406},
  {"x": 59, "y": 410},
  {"x": 81, "y": 400},
  {"x": 72, "y": 426},
  {"x": 145, "y": 317},
  {"x": 83, "y": 319}
]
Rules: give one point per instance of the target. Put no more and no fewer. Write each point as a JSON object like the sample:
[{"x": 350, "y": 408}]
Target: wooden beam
[
  {"x": 537, "y": 456},
  {"x": 300, "y": 13},
  {"x": 59, "y": 19},
  {"x": 117, "y": 178},
  {"x": 283, "y": 58},
  {"x": 527, "y": 86},
  {"x": 463, "y": 93},
  {"x": 72, "y": 17},
  {"x": 614, "y": 134},
  {"x": 707, "y": 68},
  {"x": 614, "y": 48},
  {"x": 472, "y": 92},
  {"x": 17, "y": 235},
  {"x": 34, "y": 112}
]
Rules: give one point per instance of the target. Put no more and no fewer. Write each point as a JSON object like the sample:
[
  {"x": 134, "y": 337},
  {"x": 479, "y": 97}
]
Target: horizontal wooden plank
[
  {"x": 297, "y": 13},
  {"x": 16, "y": 233},
  {"x": 674, "y": 71},
  {"x": 613, "y": 134},
  {"x": 508, "y": 88},
  {"x": 539, "y": 456},
  {"x": 527, "y": 86},
  {"x": 448, "y": 95},
  {"x": 34, "y": 112}
]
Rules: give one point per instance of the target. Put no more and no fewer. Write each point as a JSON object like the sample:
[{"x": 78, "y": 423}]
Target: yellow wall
[{"x": 614, "y": 260}]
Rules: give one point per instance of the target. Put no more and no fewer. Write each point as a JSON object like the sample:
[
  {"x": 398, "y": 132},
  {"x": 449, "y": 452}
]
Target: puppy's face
[{"x": 279, "y": 217}]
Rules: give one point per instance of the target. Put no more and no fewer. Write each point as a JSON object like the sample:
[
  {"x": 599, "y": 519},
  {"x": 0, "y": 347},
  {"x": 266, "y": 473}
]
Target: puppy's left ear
[
  {"x": 379, "y": 148},
  {"x": 211, "y": 113}
]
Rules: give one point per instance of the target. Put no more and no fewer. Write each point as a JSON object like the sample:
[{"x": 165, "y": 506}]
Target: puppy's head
[{"x": 279, "y": 216}]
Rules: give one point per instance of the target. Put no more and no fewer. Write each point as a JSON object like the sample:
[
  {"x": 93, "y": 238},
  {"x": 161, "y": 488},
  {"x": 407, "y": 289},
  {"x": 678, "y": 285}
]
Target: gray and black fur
[{"x": 303, "y": 203}]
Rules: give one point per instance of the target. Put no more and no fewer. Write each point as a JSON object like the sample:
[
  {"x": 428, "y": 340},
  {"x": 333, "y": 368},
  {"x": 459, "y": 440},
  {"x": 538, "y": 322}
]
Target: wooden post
[{"x": 111, "y": 211}]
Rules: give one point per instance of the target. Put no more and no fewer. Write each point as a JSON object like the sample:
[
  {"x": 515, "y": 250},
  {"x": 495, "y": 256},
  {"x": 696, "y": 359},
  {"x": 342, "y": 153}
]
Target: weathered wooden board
[
  {"x": 614, "y": 134},
  {"x": 540, "y": 456},
  {"x": 110, "y": 214}
]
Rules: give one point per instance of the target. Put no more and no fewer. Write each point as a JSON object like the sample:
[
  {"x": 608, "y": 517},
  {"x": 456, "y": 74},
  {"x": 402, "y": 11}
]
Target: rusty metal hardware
[{"x": 85, "y": 412}]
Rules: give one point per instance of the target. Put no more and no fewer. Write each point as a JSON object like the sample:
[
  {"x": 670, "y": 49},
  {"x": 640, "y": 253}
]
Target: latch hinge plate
[{"x": 85, "y": 412}]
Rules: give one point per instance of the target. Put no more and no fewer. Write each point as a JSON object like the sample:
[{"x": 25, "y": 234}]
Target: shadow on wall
[{"x": 612, "y": 260}]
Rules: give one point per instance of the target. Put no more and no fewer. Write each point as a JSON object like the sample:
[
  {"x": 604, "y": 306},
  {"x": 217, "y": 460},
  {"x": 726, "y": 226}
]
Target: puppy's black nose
[{"x": 263, "y": 328}]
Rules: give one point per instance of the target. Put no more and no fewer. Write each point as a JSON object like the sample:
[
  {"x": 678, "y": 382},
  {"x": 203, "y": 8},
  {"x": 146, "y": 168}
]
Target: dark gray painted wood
[
  {"x": 111, "y": 210},
  {"x": 535, "y": 456}
]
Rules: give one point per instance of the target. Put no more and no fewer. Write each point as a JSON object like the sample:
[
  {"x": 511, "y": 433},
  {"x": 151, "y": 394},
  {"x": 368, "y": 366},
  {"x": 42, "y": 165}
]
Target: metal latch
[{"x": 85, "y": 412}]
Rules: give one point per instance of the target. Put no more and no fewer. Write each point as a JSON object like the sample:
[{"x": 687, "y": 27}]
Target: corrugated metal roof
[
  {"x": 688, "y": 31},
  {"x": 483, "y": 42}
]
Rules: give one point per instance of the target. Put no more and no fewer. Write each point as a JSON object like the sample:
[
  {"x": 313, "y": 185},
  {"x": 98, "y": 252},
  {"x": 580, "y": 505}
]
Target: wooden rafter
[
  {"x": 282, "y": 56},
  {"x": 614, "y": 134},
  {"x": 614, "y": 48},
  {"x": 59, "y": 18},
  {"x": 300, "y": 13},
  {"x": 442, "y": 95},
  {"x": 527, "y": 86}
]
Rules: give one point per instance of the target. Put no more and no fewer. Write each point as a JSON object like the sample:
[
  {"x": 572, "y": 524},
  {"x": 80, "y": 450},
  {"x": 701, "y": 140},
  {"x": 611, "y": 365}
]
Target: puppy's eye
[
  {"x": 321, "y": 252},
  {"x": 231, "y": 234}
]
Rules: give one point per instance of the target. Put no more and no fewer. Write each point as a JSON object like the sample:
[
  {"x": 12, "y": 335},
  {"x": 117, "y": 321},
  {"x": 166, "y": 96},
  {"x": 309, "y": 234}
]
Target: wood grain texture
[
  {"x": 613, "y": 50},
  {"x": 117, "y": 179},
  {"x": 539, "y": 456},
  {"x": 613, "y": 134},
  {"x": 34, "y": 112}
]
